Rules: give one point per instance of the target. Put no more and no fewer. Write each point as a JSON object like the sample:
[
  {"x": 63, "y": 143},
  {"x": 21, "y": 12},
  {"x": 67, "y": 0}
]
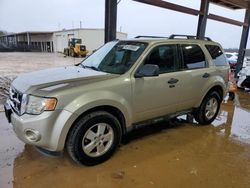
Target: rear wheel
[
  {"x": 94, "y": 138},
  {"x": 208, "y": 109}
]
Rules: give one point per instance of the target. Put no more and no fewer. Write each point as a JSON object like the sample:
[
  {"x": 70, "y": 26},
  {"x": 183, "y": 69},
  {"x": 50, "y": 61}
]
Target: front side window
[
  {"x": 217, "y": 55},
  {"x": 193, "y": 57},
  {"x": 165, "y": 57},
  {"x": 115, "y": 57}
]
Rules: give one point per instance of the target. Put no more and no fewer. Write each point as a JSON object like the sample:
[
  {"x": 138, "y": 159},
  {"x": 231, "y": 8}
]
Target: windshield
[{"x": 115, "y": 57}]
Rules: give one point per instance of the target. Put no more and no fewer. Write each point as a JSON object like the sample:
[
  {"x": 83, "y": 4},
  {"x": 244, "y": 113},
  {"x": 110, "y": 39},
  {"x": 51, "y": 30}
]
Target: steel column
[
  {"x": 110, "y": 20},
  {"x": 16, "y": 39},
  {"x": 28, "y": 39},
  {"x": 243, "y": 42},
  {"x": 202, "y": 22}
]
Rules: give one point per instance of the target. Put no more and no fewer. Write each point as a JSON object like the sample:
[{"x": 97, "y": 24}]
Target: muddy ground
[{"x": 176, "y": 154}]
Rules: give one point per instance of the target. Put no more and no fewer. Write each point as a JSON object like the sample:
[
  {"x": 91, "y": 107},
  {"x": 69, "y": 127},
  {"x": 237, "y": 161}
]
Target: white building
[{"x": 91, "y": 38}]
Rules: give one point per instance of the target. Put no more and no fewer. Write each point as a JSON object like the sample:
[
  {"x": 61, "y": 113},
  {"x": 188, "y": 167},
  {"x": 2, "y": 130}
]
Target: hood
[{"x": 28, "y": 82}]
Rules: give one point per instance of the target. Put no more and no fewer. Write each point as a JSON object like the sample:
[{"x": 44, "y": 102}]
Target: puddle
[
  {"x": 234, "y": 120},
  {"x": 10, "y": 148},
  {"x": 241, "y": 125}
]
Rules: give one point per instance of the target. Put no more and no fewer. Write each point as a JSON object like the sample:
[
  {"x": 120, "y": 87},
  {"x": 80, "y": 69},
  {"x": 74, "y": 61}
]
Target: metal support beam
[
  {"x": 202, "y": 12},
  {"x": 226, "y": 20},
  {"x": 202, "y": 22},
  {"x": 110, "y": 20},
  {"x": 171, "y": 6},
  {"x": 243, "y": 43}
]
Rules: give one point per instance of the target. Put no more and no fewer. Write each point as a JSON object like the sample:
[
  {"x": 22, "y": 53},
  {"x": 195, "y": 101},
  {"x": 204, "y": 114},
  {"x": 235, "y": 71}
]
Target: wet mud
[{"x": 169, "y": 154}]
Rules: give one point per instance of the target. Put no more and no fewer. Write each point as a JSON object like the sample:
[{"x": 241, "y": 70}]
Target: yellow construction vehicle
[{"x": 75, "y": 48}]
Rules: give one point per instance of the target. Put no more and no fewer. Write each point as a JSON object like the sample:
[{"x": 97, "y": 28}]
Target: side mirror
[{"x": 147, "y": 70}]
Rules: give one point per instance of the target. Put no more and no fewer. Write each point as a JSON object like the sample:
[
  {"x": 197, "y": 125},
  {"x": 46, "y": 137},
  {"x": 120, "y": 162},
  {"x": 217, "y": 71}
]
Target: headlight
[
  {"x": 24, "y": 104},
  {"x": 36, "y": 105}
]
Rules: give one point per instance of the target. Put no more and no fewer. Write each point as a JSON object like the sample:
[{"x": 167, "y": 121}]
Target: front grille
[{"x": 15, "y": 100}]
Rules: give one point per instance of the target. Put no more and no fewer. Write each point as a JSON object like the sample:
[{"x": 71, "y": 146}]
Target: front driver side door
[{"x": 157, "y": 96}]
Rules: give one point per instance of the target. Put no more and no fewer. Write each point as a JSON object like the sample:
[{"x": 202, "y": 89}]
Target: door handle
[
  {"x": 206, "y": 75},
  {"x": 173, "y": 81}
]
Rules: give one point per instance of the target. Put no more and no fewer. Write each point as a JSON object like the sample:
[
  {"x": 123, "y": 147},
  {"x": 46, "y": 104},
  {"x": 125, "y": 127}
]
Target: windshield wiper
[{"x": 90, "y": 67}]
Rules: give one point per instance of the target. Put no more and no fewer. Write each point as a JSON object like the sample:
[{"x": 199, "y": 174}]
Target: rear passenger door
[
  {"x": 194, "y": 74},
  {"x": 219, "y": 60}
]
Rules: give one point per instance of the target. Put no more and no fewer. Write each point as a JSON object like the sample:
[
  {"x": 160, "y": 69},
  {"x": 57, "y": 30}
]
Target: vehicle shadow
[{"x": 152, "y": 129}]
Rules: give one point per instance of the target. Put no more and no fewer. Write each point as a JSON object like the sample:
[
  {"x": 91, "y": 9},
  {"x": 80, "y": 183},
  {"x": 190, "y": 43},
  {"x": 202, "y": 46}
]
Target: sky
[{"x": 133, "y": 18}]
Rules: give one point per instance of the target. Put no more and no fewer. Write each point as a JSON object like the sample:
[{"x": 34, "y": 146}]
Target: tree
[{"x": 2, "y": 32}]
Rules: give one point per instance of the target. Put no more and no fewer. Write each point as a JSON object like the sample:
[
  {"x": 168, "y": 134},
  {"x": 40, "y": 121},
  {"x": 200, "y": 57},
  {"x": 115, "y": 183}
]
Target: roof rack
[
  {"x": 189, "y": 37},
  {"x": 145, "y": 36}
]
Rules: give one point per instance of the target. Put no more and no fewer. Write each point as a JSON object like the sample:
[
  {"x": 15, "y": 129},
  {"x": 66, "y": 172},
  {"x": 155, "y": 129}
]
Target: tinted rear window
[{"x": 217, "y": 55}]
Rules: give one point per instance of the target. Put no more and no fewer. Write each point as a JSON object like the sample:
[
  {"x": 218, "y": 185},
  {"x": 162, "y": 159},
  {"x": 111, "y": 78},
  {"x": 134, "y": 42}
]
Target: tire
[
  {"x": 231, "y": 96},
  {"x": 66, "y": 51},
  {"x": 90, "y": 149},
  {"x": 72, "y": 53},
  {"x": 211, "y": 103}
]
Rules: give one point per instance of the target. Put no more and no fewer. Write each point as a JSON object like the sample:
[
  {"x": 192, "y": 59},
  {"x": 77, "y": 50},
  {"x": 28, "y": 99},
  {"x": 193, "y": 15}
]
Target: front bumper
[{"x": 51, "y": 128}]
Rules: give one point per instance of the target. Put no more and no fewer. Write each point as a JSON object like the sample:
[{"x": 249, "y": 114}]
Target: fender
[
  {"x": 82, "y": 104},
  {"x": 101, "y": 98},
  {"x": 212, "y": 82}
]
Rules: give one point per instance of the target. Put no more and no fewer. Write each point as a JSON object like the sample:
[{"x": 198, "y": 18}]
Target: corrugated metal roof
[
  {"x": 233, "y": 4},
  {"x": 30, "y": 32}
]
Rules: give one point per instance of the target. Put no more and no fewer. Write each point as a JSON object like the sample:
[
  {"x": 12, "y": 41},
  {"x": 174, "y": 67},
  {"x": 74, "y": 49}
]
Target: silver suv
[{"x": 88, "y": 108}]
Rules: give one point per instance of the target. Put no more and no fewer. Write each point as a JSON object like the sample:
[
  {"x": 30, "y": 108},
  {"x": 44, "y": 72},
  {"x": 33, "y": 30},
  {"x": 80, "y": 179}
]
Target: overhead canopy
[
  {"x": 233, "y": 4},
  {"x": 31, "y": 33}
]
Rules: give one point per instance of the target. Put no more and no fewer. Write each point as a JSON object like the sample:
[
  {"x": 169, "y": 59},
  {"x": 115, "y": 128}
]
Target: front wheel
[
  {"x": 94, "y": 138},
  {"x": 72, "y": 53},
  {"x": 208, "y": 109}
]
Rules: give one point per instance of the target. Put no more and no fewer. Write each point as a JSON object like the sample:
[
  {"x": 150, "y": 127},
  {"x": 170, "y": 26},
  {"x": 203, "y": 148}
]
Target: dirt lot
[
  {"x": 176, "y": 154},
  {"x": 14, "y": 63}
]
